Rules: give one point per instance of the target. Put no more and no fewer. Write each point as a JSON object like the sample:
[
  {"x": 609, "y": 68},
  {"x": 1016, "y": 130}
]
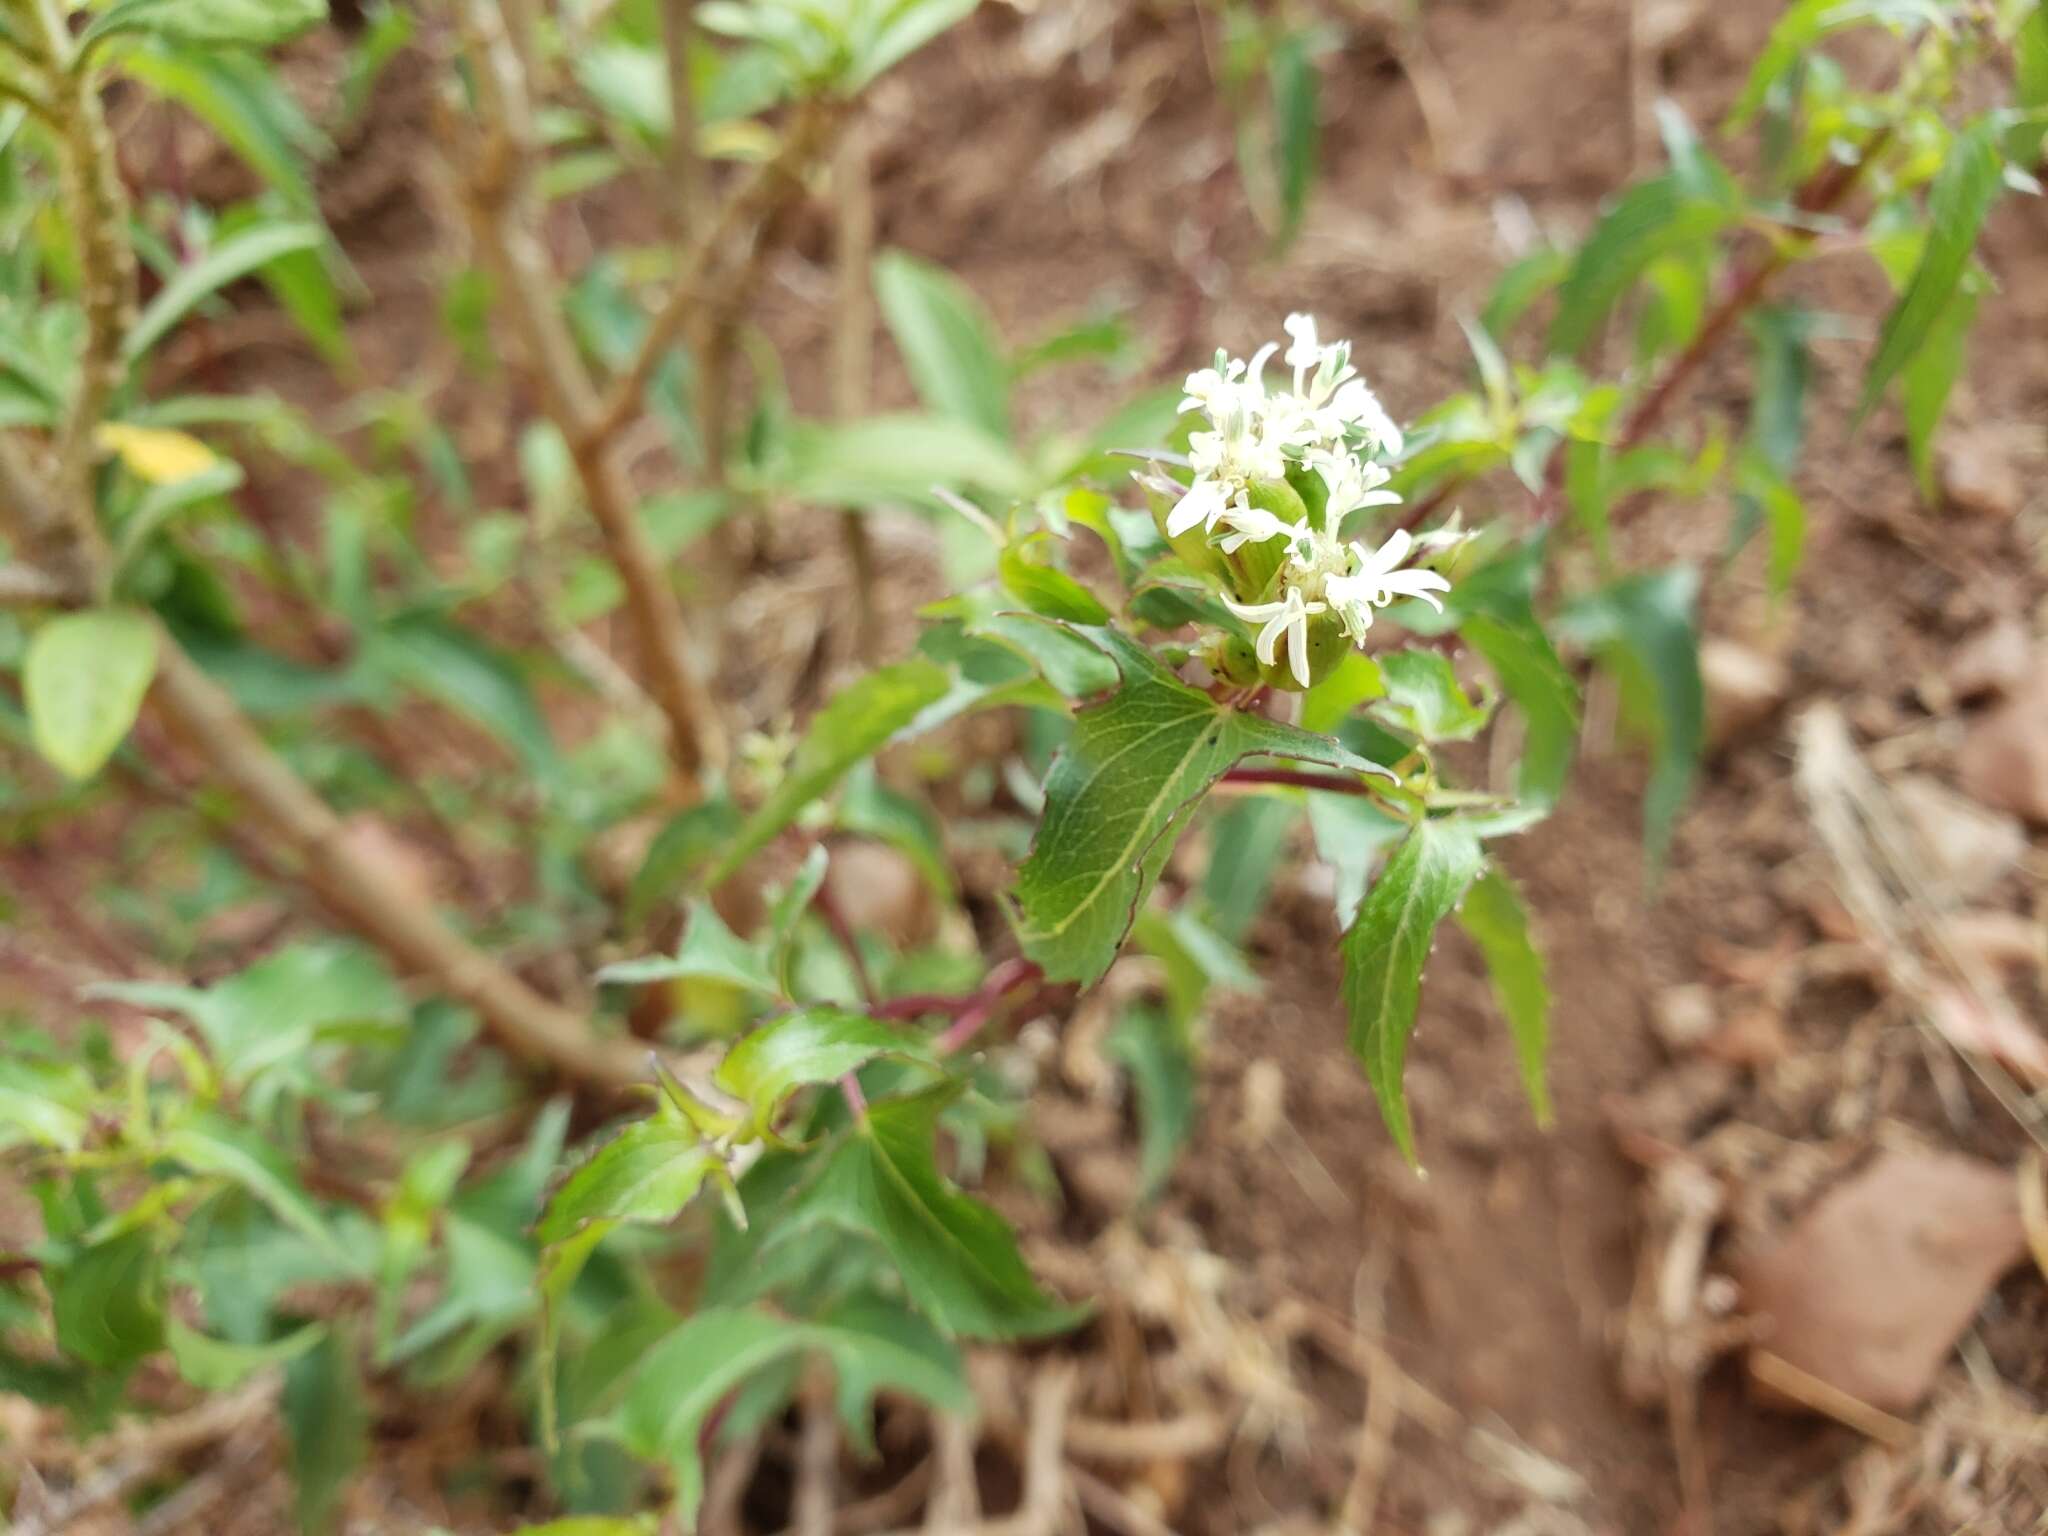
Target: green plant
[{"x": 352, "y": 1156}]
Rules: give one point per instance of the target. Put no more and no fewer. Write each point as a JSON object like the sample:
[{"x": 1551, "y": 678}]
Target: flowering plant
[{"x": 341, "y": 1167}]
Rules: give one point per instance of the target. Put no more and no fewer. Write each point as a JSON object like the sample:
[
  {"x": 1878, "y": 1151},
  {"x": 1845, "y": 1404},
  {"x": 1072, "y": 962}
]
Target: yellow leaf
[
  {"x": 159, "y": 456},
  {"x": 738, "y": 139}
]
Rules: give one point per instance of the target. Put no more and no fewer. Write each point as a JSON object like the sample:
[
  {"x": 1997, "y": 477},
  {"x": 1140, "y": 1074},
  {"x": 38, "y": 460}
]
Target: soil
[{"x": 1060, "y": 155}]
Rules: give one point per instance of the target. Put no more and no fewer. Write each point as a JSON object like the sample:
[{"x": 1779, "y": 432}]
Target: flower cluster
[{"x": 1327, "y": 435}]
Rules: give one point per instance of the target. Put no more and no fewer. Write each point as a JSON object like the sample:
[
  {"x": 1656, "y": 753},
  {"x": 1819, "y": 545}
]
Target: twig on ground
[
  {"x": 817, "y": 1463},
  {"x": 1781, "y": 1375}
]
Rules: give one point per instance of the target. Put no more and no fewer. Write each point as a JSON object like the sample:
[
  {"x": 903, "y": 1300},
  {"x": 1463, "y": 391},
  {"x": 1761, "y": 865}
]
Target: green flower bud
[{"x": 1256, "y": 564}]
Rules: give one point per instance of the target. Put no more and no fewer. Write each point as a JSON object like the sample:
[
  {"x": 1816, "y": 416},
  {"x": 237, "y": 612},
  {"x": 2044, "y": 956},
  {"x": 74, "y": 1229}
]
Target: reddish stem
[{"x": 1297, "y": 778}]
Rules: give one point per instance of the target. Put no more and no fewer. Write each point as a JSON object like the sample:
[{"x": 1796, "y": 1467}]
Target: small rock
[
  {"x": 1995, "y": 660},
  {"x": 1745, "y": 688},
  {"x": 1684, "y": 1017},
  {"x": 1980, "y": 472},
  {"x": 2005, "y": 756},
  {"x": 1871, "y": 1288},
  {"x": 1971, "y": 848}
]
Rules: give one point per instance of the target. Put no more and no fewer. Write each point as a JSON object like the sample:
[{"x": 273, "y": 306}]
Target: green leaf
[
  {"x": 900, "y": 29},
  {"x": 1765, "y": 497},
  {"x": 1247, "y": 843},
  {"x": 83, "y": 680},
  {"x": 243, "y": 101},
  {"x": 948, "y": 342},
  {"x": 448, "y": 662},
  {"x": 327, "y": 1423},
  {"x": 235, "y": 257},
  {"x": 1295, "y": 83},
  {"x": 1928, "y": 380},
  {"x": 1386, "y": 948},
  {"x": 1155, "y": 1051},
  {"x": 1423, "y": 697},
  {"x": 1521, "y": 286},
  {"x": 683, "y": 1380},
  {"x": 210, "y": 1143},
  {"x": 1964, "y": 189},
  {"x": 209, "y": 23},
  {"x": 1777, "y": 414},
  {"x": 1073, "y": 666},
  {"x": 1352, "y": 835},
  {"x": 857, "y": 722},
  {"x": 1542, "y": 689},
  {"x": 1047, "y": 590},
  {"x": 647, "y": 1173},
  {"x": 1117, "y": 800},
  {"x": 108, "y": 1302},
  {"x": 1645, "y": 625},
  {"x": 710, "y": 951},
  {"x": 811, "y": 1045},
  {"x": 869, "y": 808},
  {"x": 687, "y": 843},
  {"x": 2023, "y": 140},
  {"x": 271, "y": 1013},
  {"x": 958, "y": 1259},
  {"x": 1804, "y": 24},
  {"x": 1652, "y": 218},
  {"x": 217, "y": 1365},
  {"x": 897, "y": 458},
  {"x": 1493, "y": 915}
]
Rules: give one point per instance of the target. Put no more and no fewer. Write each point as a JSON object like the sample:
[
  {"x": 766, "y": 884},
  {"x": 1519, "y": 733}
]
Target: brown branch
[
  {"x": 374, "y": 902},
  {"x": 688, "y": 187},
  {"x": 504, "y": 213},
  {"x": 747, "y": 207}
]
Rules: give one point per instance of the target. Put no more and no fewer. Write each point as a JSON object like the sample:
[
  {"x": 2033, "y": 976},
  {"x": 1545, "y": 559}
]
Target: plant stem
[
  {"x": 1296, "y": 778},
  {"x": 380, "y": 908},
  {"x": 503, "y": 210},
  {"x": 302, "y": 827},
  {"x": 853, "y": 350},
  {"x": 687, "y": 186}
]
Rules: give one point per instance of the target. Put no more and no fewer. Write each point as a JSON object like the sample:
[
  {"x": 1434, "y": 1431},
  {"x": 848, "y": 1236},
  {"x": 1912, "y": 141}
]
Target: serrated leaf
[
  {"x": 647, "y": 1173},
  {"x": 1116, "y": 801},
  {"x": 209, "y": 23},
  {"x": 1650, "y": 219},
  {"x": 948, "y": 342},
  {"x": 958, "y": 1259},
  {"x": 857, "y": 722},
  {"x": 1386, "y": 948},
  {"x": 1493, "y": 915},
  {"x": 811, "y": 1045},
  {"x": 1968, "y": 183},
  {"x": 1352, "y": 835},
  {"x": 1646, "y": 624},
  {"x": 235, "y": 257},
  {"x": 83, "y": 679}
]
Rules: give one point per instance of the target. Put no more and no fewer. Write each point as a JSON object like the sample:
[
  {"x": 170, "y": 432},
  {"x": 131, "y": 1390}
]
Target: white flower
[
  {"x": 1287, "y": 617},
  {"x": 1203, "y": 502},
  {"x": 1254, "y": 525},
  {"x": 1360, "y": 407},
  {"x": 1353, "y": 483},
  {"x": 1377, "y": 580}
]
